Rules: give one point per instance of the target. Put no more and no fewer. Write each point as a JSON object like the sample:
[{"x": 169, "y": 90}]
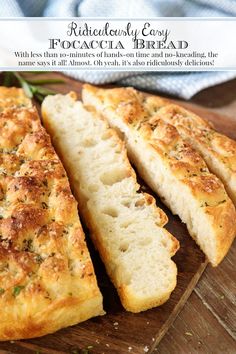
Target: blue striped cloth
[{"x": 181, "y": 84}]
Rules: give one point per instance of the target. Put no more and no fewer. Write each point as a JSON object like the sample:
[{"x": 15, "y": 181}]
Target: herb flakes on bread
[
  {"x": 47, "y": 279},
  {"x": 170, "y": 166}
]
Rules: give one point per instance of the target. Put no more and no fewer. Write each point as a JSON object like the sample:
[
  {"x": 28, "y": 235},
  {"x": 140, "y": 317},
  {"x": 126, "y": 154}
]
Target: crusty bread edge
[
  {"x": 76, "y": 311},
  {"x": 70, "y": 309}
]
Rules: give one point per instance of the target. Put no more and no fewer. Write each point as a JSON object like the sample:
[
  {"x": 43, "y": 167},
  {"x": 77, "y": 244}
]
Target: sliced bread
[
  {"x": 171, "y": 167},
  {"x": 218, "y": 150},
  {"x": 47, "y": 280},
  {"x": 126, "y": 226}
]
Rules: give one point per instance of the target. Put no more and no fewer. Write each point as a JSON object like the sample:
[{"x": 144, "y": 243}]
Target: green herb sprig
[
  {"x": 31, "y": 87},
  {"x": 17, "y": 289}
]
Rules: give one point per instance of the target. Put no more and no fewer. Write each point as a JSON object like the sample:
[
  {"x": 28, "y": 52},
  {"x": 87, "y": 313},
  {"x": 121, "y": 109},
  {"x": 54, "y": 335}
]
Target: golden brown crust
[
  {"x": 200, "y": 130},
  {"x": 141, "y": 114},
  {"x": 47, "y": 279},
  {"x": 183, "y": 160},
  {"x": 13, "y": 97},
  {"x": 218, "y": 150}
]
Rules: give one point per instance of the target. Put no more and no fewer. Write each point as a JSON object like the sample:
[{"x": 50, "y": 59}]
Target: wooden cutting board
[{"x": 118, "y": 331}]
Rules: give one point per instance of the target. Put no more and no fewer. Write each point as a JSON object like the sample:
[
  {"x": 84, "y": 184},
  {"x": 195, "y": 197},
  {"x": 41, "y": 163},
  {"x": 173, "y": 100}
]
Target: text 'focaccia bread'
[
  {"x": 171, "y": 167},
  {"x": 126, "y": 226},
  {"x": 47, "y": 279}
]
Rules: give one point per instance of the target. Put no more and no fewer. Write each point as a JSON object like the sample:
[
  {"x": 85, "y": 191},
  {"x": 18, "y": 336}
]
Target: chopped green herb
[
  {"x": 45, "y": 183},
  {"x": 2, "y": 291},
  {"x": 38, "y": 258},
  {"x": 44, "y": 205},
  {"x": 222, "y": 201},
  {"x": 27, "y": 245},
  {"x": 17, "y": 290}
]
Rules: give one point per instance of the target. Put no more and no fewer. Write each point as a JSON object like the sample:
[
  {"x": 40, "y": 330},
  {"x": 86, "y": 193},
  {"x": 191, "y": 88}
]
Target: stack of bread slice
[{"x": 170, "y": 164}]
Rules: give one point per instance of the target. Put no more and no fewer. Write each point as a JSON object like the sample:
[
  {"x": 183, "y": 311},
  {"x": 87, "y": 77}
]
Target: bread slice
[
  {"x": 47, "y": 279},
  {"x": 13, "y": 97},
  {"x": 126, "y": 226},
  {"x": 218, "y": 150},
  {"x": 171, "y": 167}
]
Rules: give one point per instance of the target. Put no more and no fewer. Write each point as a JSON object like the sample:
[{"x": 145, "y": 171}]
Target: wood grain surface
[{"x": 205, "y": 325}]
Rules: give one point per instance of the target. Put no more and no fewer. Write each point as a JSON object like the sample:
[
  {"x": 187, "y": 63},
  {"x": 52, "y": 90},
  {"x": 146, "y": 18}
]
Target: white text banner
[{"x": 160, "y": 44}]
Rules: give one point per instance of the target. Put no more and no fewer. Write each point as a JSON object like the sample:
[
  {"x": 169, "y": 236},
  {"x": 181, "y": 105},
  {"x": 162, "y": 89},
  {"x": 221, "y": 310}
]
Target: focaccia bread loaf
[
  {"x": 171, "y": 167},
  {"x": 13, "y": 97},
  {"x": 47, "y": 279},
  {"x": 126, "y": 226},
  {"x": 218, "y": 150}
]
